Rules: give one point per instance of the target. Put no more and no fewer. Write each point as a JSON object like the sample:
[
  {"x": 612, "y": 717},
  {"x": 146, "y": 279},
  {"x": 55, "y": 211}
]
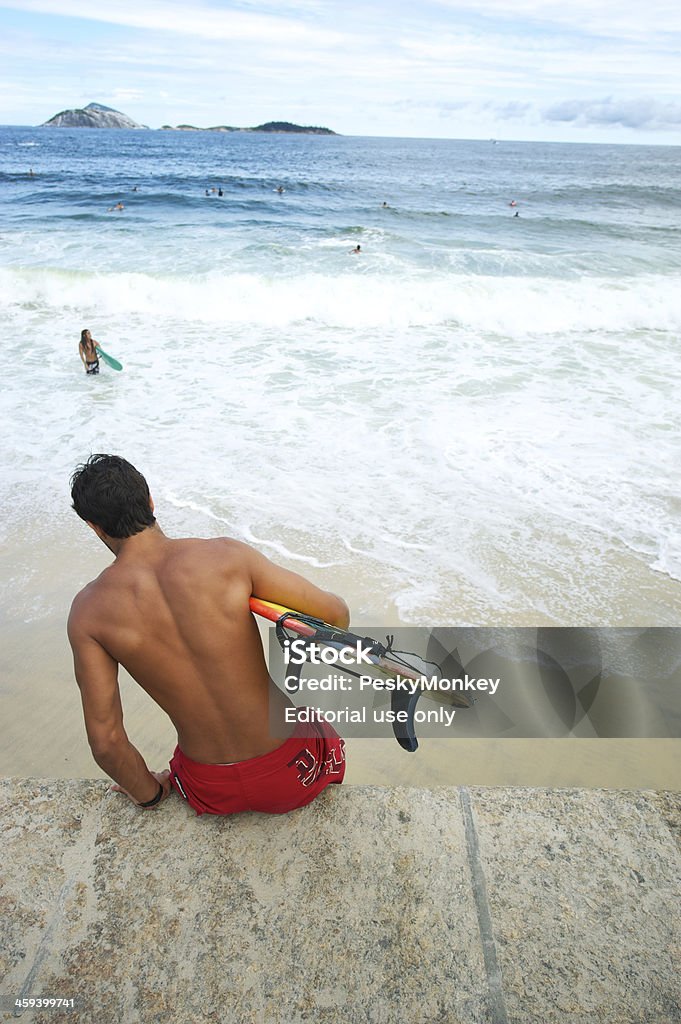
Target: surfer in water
[
  {"x": 87, "y": 350},
  {"x": 175, "y": 614},
  {"x": 356, "y": 251}
]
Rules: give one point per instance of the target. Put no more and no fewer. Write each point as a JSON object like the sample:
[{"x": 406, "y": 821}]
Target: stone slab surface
[
  {"x": 584, "y": 890},
  {"x": 372, "y": 905},
  {"x": 356, "y": 908}
]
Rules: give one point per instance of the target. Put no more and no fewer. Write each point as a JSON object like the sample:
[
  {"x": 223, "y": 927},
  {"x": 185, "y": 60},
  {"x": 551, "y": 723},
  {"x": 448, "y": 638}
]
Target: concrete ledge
[{"x": 481, "y": 906}]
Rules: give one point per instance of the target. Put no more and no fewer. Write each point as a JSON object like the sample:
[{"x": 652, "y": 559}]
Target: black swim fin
[{"x": 405, "y": 734}]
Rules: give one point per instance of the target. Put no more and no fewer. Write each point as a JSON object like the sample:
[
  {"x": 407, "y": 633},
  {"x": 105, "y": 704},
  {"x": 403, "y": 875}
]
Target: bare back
[
  {"x": 175, "y": 614},
  {"x": 88, "y": 349}
]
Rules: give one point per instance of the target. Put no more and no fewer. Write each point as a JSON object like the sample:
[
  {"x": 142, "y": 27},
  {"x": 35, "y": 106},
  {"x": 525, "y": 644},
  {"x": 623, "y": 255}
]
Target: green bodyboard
[{"x": 109, "y": 360}]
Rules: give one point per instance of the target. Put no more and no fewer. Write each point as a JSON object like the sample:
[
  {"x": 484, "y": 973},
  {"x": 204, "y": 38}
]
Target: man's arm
[
  {"x": 272, "y": 583},
  {"x": 97, "y": 676}
]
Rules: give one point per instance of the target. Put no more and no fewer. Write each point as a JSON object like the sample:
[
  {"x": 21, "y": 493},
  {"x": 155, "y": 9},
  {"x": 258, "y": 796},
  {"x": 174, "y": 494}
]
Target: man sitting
[{"x": 175, "y": 614}]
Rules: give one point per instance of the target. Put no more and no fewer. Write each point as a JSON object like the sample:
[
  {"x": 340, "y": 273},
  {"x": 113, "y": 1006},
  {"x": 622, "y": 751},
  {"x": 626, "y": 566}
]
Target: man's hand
[{"x": 162, "y": 777}]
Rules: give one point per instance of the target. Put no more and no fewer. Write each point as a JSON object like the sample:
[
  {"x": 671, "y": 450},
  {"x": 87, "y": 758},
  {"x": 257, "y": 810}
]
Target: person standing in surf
[{"x": 87, "y": 350}]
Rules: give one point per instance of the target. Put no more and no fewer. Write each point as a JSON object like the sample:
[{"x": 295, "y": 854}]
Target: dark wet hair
[
  {"x": 83, "y": 339},
  {"x": 109, "y": 492}
]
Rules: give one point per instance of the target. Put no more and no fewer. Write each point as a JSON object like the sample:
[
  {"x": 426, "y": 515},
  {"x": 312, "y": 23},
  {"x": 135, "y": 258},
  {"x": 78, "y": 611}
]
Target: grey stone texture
[
  {"x": 370, "y": 906},
  {"x": 95, "y": 115}
]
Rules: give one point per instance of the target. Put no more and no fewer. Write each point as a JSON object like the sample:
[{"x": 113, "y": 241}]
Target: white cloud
[
  {"x": 643, "y": 112},
  {"x": 408, "y": 68},
  {"x": 615, "y": 19},
  {"x": 126, "y": 95},
  {"x": 198, "y": 20}
]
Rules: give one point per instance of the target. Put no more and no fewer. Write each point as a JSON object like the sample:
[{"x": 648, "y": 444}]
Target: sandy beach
[{"x": 43, "y": 733}]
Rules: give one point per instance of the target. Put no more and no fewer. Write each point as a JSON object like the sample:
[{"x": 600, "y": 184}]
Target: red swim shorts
[{"x": 288, "y": 777}]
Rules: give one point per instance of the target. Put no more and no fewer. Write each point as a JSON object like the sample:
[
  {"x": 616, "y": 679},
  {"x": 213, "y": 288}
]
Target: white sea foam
[
  {"x": 444, "y": 423},
  {"x": 669, "y": 558},
  {"x": 513, "y": 307},
  {"x": 450, "y": 461}
]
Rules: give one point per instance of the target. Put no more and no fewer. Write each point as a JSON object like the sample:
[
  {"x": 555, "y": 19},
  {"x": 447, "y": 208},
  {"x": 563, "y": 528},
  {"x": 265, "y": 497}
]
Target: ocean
[{"x": 474, "y": 419}]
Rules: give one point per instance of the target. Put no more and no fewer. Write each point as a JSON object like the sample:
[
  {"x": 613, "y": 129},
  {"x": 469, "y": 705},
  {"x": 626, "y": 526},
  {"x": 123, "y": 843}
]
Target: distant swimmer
[
  {"x": 385, "y": 206},
  {"x": 356, "y": 250},
  {"x": 513, "y": 203},
  {"x": 134, "y": 188},
  {"x": 118, "y": 206},
  {"x": 87, "y": 349},
  {"x": 517, "y": 213},
  {"x": 31, "y": 172},
  {"x": 220, "y": 192},
  {"x": 280, "y": 189},
  {"x": 207, "y": 192}
]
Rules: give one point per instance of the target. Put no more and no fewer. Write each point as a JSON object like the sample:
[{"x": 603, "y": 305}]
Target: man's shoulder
[
  {"x": 84, "y": 607},
  {"x": 92, "y": 593},
  {"x": 222, "y": 548},
  {"x": 209, "y": 556}
]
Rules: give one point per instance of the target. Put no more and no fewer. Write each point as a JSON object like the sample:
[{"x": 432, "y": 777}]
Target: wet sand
[{"x": 43, "y": 733}]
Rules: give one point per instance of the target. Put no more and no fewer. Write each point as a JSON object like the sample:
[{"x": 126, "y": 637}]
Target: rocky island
[
  {"x": 280, "y": 127},
  {"x": 95, "y": 115}
]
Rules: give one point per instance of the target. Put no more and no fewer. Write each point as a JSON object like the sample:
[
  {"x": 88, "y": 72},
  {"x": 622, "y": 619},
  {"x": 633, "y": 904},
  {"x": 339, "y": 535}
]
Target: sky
[{"x": 554, "y": 70}]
